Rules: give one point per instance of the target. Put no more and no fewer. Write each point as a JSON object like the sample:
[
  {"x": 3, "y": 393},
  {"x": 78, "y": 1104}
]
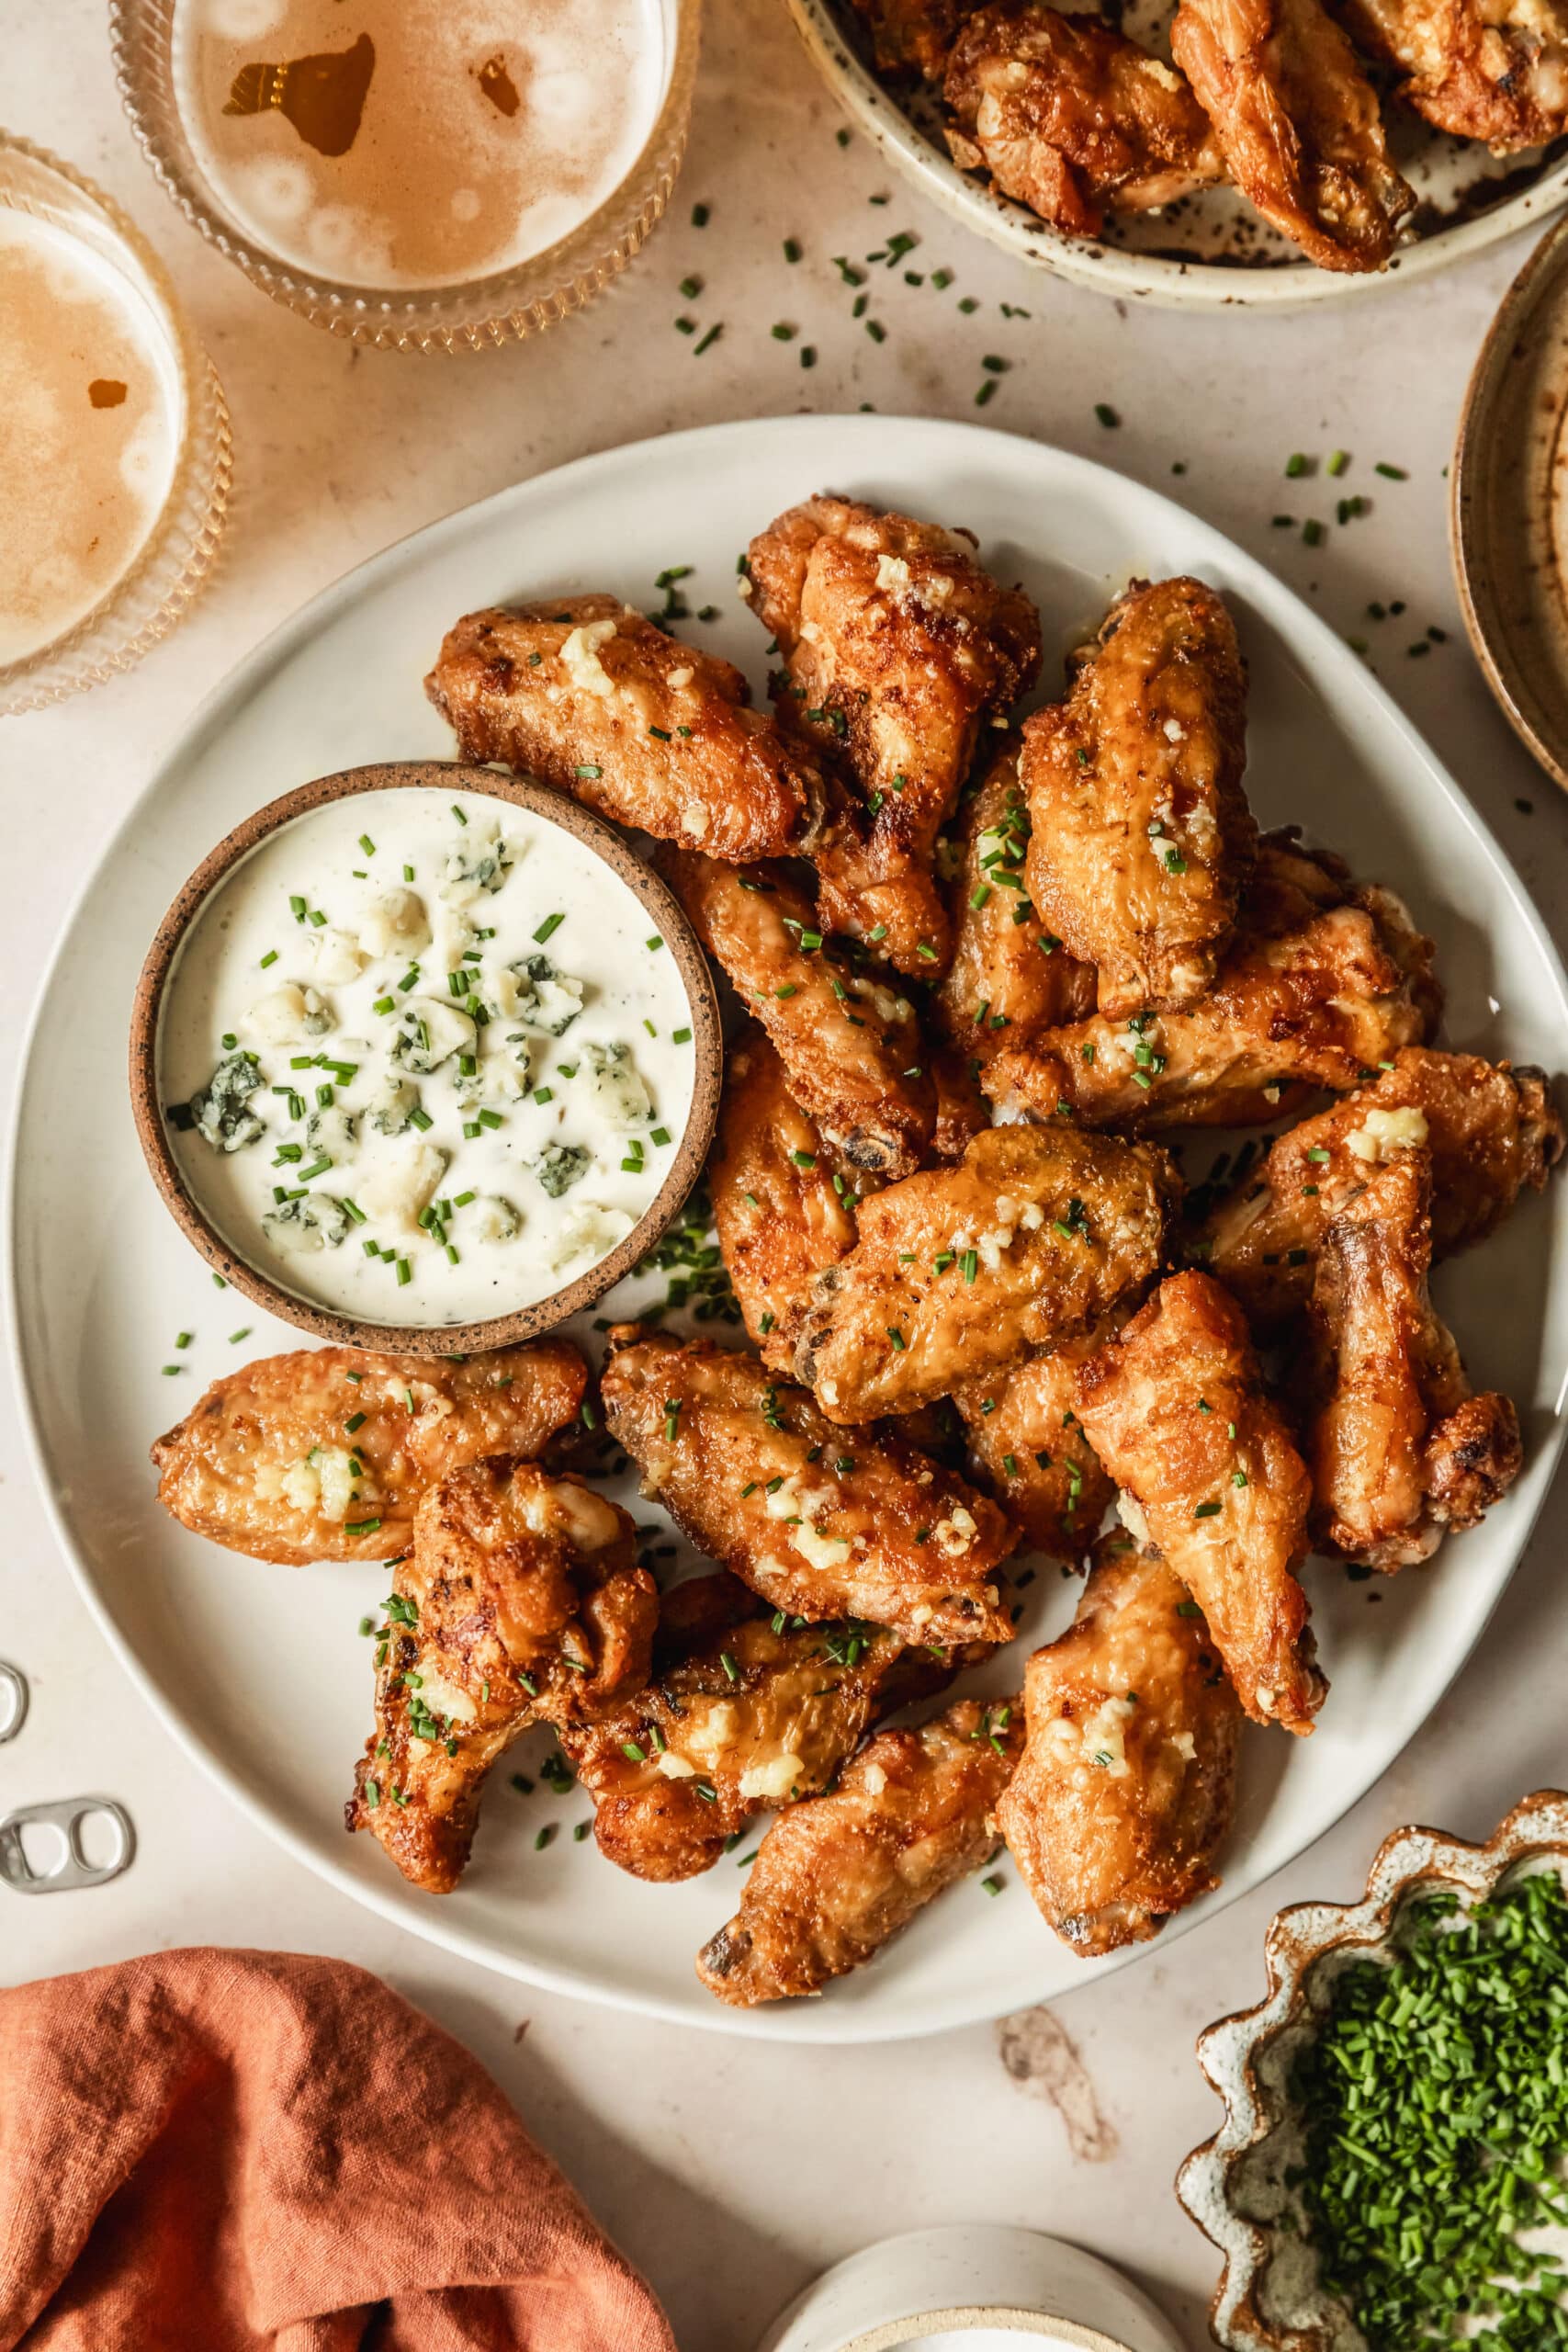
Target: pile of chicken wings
[{"x": 980, "y": 967}]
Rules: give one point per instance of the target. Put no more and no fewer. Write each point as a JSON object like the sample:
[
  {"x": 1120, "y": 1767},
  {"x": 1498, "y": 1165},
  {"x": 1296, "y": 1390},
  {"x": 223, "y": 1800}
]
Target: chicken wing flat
[
  {"x": 1403, "y": 1449},
  {"x": 1029, "y": 1450},
  {"x": 1175, "y": 1410},
  {"x": 745, "y": 1712},
  {"x": 1478, "y": 69},
  {"x": 1072, "y": 118},
  {"x": 323, "y": 1454},
  {"x": 1141, "y": 834},
  {"x": 521, "y": 1599},
  {"x": 837, "y": 1878},
  {"x": 961, "y": 1272},
  {"x": 1010, "y": 974},
  {"x": 1124, "y": 1795},
  {"x": 1322, "y": 985},
  {"x": 912, "y": 36},
  {"x": 1493, "y": 1132},
  {"x": 850, "y": 1045},
  {"x": 588, "y": 694},
  {"x": 899, "y": 647},
  {"x": 817, "y": 1525},
  {"x": 1298, "y": 124}
]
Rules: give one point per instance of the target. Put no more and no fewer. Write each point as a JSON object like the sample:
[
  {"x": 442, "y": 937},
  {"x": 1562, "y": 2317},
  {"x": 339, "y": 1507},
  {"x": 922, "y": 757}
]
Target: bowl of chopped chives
[{"x": 1393, "y": 2166}]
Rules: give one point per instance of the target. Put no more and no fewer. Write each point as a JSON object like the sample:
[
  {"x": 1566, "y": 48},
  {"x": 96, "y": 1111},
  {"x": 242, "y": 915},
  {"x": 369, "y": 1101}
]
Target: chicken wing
[
  {"x": 1175, "y": 1410},
  {"x": 1072, "y": 118},
  {"x": 1478, "y": 69},
  {"x": 1141, "y": 834},
  {"x": 1318, "y": 989},
  {"x": 849, "y": 1043},
  {"x": 588, "y": 694},
  {"x": 837, "y": 1878},
  {"x": 323, "y": 1454},
  {"x": 1029, "y": 1450},
  {"x": 1298, "y": 124},
  {"x": 960, "y": 1274},
  {"x": 1492, "y": 1131},
  {"x": 1124, "y": 1795},
  {"x": 1402, "y": 1448},
  {"x": 521, "y": 1599},
  {"x": 913, "y": 36},
  {"x": 754, "y": 1474},
  {"x": 1010, "y": 974},
  {"x": 961, "y": 1110},
  {"x": 899, "y": 647}
]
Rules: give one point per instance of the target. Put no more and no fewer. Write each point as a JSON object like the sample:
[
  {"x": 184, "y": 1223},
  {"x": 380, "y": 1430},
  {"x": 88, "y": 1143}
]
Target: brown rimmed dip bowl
[{"x": 546, "y": 806}]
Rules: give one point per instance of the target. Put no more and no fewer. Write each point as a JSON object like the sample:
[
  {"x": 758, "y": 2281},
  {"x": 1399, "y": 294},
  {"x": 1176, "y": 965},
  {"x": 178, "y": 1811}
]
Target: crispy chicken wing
[
  {"x": 818, "y": 1525},
  {"x": 1123, "y": 1795},
  {"x": 588, "y": 694},
  {"x": 913, "y": 36},
  {"x": 1402, "y": 1449},
  {"x": 1030, "y": 1450},
  {"x": 899, "y": 648},
  {"x": 1141, "y": 834},
  {"x": 1492, "y": 1132},
  {"x": 960, "y": 1274},
  {"x": 323, "y": 1454},
  {"x": 961, "y": 1110},
  {"x": 837, "y": 1878},
  {"x": 1321, "y": 984},
  {"x": 1175, "y": 1410},
  {"x": 1478, "y": 69},
  {"x": 521, "y": 1599},
  {"x": 1298, "y": 123},
  {"x": 849, "y": 1043},
  {"x": 1072, "y": 118}
]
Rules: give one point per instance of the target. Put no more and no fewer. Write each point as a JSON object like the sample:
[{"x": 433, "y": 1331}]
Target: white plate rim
[{"x": 814, "y": 2022}]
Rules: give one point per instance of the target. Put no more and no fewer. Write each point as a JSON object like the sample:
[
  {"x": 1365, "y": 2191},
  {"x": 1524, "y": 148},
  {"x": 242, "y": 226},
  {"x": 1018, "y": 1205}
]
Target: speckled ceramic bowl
[{"x": 1235, "y": 2186}]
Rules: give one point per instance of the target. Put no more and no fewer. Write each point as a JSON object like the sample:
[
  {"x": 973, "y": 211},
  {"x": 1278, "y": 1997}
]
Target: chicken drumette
[{"x": 1478, "y": 69}]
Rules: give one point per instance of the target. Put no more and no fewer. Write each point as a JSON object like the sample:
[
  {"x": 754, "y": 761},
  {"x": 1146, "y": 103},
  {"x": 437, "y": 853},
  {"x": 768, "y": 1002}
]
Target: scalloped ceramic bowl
[{"x": 1235, "y": 2185}]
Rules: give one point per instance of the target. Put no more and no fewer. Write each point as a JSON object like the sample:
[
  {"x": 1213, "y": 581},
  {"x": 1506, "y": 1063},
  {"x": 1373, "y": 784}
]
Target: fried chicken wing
[
  {"x": 323, "y": 1454},
  {"x": 837, "y": 1878},
  {"x": 817, "y": 1525},
  {"x": 521, "y": 1599},
  {"x": 1125, "y": 1792},
  {"x": 913, "y": 36},
  {"x": 961, "y": 1110},
  {"x": 899, "y": 647},
  {"x": 850, "y": 1045},
  {"x": 1009, "y": 975},
  {"x": 1402, "y": 1449},
  {"x": 1029, "y": 1450},
  {"x": 1321, "y": 984},
  {"x": 588, "y": 694},
  {"x": 961, "y": 1272},
  {"x": 1072, "y": 118},
  {"x": 1492, "y": 1130},
  {"x": 1478, "y": 69},
  {"x": 1298, "y": 124},
  {"x": 1175, "y": 1410},
  {"x": 1141, "y": 834}
]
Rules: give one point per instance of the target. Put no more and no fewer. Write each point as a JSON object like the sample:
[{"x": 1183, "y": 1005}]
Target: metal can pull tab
[
  {"x": 74, "y": 1868},
  {"x": 13, "y": 1701}
]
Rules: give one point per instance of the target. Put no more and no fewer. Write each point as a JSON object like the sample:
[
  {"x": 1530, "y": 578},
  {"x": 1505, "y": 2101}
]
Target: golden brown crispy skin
[
  {"x": 960, "y": 1274},
  {"x": 1029, "y": 1450},
  {"x": 1010, "y": 974},
  {"x": 912, "y": 36},
  {"x": 780, "y": 1215},
  {"x": 1124, "y": 1792},
  {"x": 899, "y": 647},
  {"x": 819, "y": 1524},
  {"x": 1141, "y": 833},
  {"x": 1326, "y": 979},
  {"x": 961, "y": 1110},
  {"x": 849, "y": 1043},
  {"x": 1298, "y": 123},
  {"x": 1175, "y": 1410},
  {"x": 837, "y": 1878},
  {"x": 1071, "y": 117},
  {"x": 1402, "y": 1449},
  {"x": 521, "y": 1599},
  {"x": 1479, "y": 69},
  {"x": 238, "y": 1467},
  {"x": 633, "y": 723},
  {"x": 1492, "y": 1131},
  {"x": 743, "y": 1713}
]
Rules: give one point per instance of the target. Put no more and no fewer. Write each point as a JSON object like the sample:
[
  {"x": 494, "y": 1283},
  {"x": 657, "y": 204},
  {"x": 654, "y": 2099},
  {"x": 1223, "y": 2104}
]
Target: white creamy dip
[{"x": 423, "y": 1059}]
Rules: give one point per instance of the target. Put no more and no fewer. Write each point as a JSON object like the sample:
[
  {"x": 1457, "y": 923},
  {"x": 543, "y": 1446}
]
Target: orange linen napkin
[{"x": 226, "y": 2151}]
